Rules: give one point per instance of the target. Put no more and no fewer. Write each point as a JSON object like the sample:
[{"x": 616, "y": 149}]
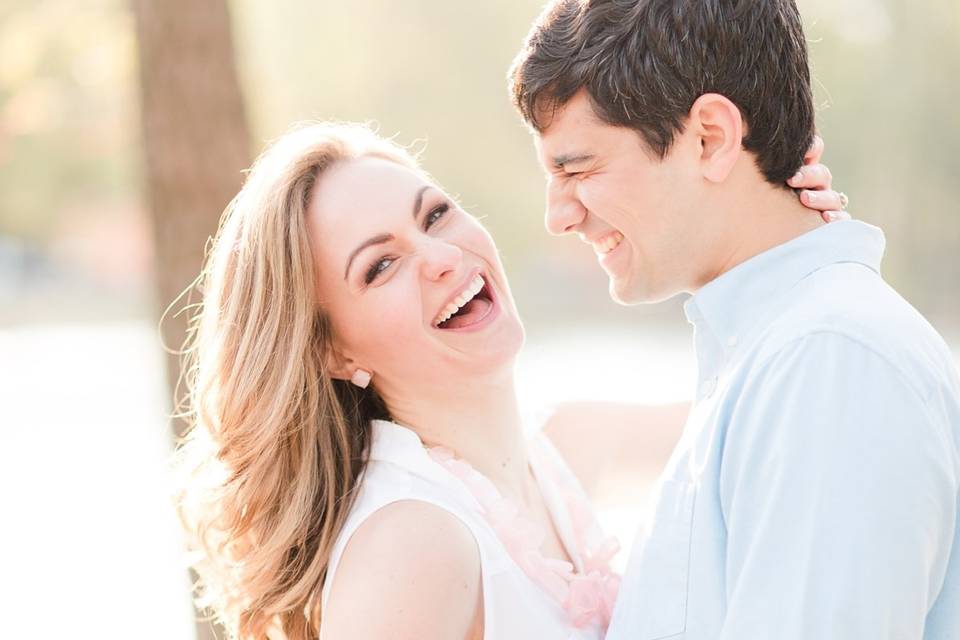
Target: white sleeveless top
[{"x": 515, "y": 605}]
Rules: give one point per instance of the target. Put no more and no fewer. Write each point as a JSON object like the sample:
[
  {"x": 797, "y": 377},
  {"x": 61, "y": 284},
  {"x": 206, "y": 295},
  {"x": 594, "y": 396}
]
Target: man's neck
[{"x": 751, "y": 225}]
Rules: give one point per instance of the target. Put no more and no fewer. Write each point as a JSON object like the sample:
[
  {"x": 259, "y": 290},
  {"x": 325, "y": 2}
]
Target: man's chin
[
  {"x": 624, "y": 294},
  {"x": 629, "y": 293}
]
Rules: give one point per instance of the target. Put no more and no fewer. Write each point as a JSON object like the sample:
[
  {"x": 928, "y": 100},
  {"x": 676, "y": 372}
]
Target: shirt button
[{"x": 732, "y": 341}]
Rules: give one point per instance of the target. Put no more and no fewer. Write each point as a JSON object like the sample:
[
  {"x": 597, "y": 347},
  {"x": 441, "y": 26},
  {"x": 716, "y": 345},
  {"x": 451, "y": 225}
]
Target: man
[{"x": 814, "y": 493}]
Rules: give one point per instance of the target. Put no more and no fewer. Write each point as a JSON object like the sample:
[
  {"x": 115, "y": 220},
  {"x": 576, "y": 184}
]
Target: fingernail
[
  {"x": 811, "y": 196},
  {"x": 797, "y": 177}
]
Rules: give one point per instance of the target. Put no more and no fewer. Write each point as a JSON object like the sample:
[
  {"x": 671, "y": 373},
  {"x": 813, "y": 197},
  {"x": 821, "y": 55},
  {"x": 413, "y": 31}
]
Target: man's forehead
[
  {"x": 559, "y": 146},
  {"x": 569, "y": 129}
]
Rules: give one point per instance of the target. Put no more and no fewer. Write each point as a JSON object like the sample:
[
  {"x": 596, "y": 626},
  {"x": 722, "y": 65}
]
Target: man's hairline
[{"x": 556, "y": 106}]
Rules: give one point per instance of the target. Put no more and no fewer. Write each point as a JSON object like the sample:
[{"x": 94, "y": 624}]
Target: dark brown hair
[{"x": 645, "y": 62}]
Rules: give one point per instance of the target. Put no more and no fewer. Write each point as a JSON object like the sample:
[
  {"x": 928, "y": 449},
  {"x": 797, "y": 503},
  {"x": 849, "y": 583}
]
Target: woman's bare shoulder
[{"x": 411, "y": 570}]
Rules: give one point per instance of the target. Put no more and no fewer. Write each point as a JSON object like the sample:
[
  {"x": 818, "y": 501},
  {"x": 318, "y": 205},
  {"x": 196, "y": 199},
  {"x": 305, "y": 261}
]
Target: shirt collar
[
  {"x": 725, "y": 310},
  {"x": 401, "y": 446},
  {"x": 391, "y": 440}
]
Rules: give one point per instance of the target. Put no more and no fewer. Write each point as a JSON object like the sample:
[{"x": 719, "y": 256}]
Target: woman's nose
[{"x": 439, "y": 258}]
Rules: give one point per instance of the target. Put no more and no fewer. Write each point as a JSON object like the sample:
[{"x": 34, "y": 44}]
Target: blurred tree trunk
[{"x": 196, "y": 145}]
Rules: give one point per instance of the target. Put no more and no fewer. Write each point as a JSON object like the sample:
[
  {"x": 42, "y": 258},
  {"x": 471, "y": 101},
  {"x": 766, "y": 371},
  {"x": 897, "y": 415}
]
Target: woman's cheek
[
  {"x": 476, "y": 239},
  {"x": 403, "y": 308}
]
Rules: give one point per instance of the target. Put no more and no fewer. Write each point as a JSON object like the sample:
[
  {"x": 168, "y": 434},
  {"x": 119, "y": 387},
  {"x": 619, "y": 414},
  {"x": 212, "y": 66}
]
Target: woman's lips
[
  {"x": 485, "y": 298},
  {"x": 467, "y": 291}
]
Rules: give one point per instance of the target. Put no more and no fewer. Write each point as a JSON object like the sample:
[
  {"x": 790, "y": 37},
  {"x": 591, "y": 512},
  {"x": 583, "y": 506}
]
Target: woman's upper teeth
[
  {"x": 608, "y": 243},
  {"x": 466, "y": 296}
]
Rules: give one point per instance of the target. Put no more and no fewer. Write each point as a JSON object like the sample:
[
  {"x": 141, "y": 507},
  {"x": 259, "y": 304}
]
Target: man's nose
[{"x": 564, "y": 212}]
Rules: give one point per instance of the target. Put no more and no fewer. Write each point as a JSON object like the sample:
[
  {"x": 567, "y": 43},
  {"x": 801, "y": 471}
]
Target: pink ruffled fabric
[{"x": 588, "y": 597}]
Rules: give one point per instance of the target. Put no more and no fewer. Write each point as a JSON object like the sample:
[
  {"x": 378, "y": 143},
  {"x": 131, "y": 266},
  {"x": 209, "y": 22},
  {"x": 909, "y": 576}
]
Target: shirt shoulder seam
[{"x": 857, "y": 341}]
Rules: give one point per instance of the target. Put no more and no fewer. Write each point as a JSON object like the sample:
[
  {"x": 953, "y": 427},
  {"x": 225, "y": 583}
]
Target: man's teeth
[
  {"x": 472, "y": 289},
  {"x": 608, "y": 243}
]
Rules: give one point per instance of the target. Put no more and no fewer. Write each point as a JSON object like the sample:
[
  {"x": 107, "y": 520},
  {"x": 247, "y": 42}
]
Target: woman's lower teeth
[{"x": 472, "y": 312}]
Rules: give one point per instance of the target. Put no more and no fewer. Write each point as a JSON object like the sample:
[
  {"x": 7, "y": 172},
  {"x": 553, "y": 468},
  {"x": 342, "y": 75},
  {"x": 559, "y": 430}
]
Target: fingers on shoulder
[{"x": 410, "y": 565}]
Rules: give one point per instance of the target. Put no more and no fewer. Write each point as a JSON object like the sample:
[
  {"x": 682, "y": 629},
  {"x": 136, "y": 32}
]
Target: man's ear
[{"x": 719, "y": 125}]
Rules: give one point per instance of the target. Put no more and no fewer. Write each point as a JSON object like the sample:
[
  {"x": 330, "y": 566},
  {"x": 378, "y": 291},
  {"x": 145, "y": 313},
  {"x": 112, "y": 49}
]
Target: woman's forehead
[
  {"x": 357, "y": 200},
  {"x": 367, "y": 189}
]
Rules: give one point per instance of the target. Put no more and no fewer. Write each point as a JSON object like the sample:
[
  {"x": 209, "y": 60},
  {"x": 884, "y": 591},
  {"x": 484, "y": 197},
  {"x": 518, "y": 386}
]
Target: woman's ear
[
  {"x": 341, "y": 367},
  {"x": 719, "y": 124},
  {"x": 338, "y": 365}
]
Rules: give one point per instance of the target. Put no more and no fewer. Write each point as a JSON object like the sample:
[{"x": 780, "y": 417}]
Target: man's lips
[{"x": 605, "y": 243}]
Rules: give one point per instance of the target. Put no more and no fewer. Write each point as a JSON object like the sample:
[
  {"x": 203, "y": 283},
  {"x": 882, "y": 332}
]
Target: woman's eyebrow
[
  {"x": 418, "y": 200},
  {"x": 378, "y": 239},
  {"x": 386, "y": 237}
]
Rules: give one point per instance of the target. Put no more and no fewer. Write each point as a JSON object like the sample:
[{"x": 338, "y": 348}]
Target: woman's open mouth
[{"x": 469, "y": 309}]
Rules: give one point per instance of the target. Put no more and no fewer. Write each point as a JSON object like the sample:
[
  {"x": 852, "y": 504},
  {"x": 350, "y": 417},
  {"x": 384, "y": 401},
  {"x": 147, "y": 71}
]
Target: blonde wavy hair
[{"x": 276, "y": 446}]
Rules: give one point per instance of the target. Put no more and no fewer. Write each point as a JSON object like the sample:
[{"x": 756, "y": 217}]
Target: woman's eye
[
  {"x": 435, "y": 214},
  {"x": 377, "y": 268},
  {"x": 383, "y": 264}
]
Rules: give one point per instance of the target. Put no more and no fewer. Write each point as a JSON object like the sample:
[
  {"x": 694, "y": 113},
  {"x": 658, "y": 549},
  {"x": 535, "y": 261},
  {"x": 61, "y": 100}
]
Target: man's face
[{"x": 638, "y": 212}]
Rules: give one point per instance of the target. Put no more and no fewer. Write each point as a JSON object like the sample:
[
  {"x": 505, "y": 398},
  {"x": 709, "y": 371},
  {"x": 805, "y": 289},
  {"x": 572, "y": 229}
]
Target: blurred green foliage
[{"x": 434, "y": 71}]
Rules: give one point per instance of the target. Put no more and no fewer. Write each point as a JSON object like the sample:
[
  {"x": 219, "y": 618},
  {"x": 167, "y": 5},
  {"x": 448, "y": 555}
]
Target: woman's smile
[{"x": 472, "y": 309}]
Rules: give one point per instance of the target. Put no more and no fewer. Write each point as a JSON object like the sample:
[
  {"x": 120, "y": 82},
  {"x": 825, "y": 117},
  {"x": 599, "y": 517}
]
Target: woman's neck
[{"x": 480, "y": 423}]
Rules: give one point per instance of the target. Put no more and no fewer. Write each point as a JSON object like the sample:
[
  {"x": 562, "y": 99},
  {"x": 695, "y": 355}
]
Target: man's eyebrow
[
  {"x": 570, "y": 158},
  {"x": 380, "y": 239}
]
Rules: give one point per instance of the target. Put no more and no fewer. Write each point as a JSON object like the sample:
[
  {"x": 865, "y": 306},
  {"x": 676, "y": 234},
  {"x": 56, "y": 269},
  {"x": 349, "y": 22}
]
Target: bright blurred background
[{"x": 94, "y": 245}]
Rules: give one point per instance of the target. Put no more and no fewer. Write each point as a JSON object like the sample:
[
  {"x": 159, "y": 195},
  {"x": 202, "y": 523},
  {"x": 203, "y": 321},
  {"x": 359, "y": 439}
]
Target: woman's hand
[{"x": 813, "y": 184}]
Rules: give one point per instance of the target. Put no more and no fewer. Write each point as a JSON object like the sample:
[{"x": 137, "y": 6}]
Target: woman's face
[{"x": 413, "y": 285}]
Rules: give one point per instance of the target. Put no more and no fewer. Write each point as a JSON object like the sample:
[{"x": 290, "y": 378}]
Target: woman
[{"x": 357, "y": 467}]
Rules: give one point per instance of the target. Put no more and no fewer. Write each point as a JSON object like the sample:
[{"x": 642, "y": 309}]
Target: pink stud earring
[{"x": 361, "y": 378}]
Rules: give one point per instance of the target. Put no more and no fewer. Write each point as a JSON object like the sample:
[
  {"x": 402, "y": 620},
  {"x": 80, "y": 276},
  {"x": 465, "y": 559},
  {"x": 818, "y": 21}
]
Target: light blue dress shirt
[{"x": 814, "y": 492}]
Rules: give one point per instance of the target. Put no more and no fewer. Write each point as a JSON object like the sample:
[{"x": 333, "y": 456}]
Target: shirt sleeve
[{"x": 839, "y": 494}]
